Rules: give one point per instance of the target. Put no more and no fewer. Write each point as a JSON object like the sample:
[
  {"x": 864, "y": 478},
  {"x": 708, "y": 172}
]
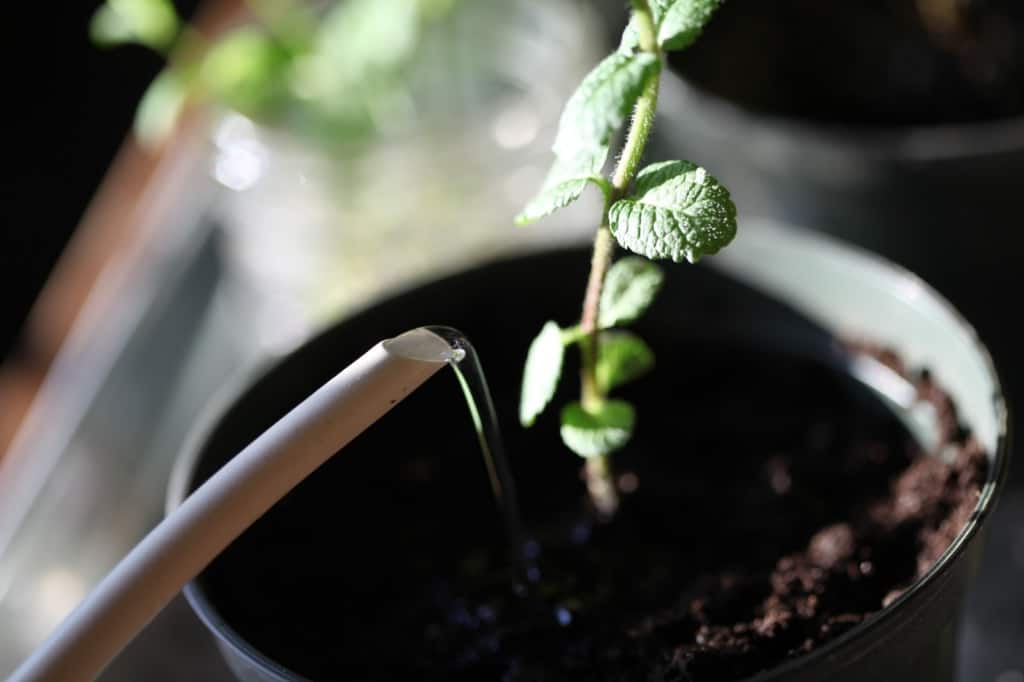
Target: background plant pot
[
  {"x": 871, "y": 122},
  {"x": 937, "y": 199},
  {"x": 824, "y": 288}
]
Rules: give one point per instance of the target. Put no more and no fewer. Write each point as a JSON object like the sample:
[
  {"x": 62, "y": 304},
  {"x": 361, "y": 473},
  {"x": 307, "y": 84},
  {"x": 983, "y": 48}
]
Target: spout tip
[{"x": 423, "y": 345}]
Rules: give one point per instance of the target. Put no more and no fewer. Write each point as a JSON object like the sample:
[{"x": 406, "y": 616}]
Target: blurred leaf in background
[
  {"x": 337, "y": 72},
  {"x": 153, "y": 23}
]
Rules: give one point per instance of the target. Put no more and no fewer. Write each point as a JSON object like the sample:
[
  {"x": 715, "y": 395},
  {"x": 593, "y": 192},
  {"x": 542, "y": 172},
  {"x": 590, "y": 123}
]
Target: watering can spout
[
  {"x": 231, "y": 500},
  {"x": 423, "y": 344}
]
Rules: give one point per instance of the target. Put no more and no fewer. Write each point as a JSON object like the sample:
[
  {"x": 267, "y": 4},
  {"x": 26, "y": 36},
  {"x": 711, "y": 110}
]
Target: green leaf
[
  {"x": 153, "y": 23},
  {"x": 541, "y": 374},
  {"x": 677, "y": 211},
  {"x": 160, "y": 107},
  {"x": 599, "y": 433},
  {"x": 364, "y": 38},
  {"x": 621, "y": 357},
  {"x": 678, "y": 23},
  {"x": 630, "y": 40},
  {"x": 558, "y": 192},
  {"x": 629, "y": 289},
  {"x": 592, "y": 116},
  {"x": 682, "y": 22},
  {"x": 552, "y": 198},
  {"x": 366, "y": 65},
  {"x": 245, "y": 69},
  {"x": 599, "y": 107}
]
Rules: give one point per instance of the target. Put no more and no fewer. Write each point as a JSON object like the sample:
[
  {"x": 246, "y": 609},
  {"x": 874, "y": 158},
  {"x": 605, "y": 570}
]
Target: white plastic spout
[{"x": 191, "y": 536}]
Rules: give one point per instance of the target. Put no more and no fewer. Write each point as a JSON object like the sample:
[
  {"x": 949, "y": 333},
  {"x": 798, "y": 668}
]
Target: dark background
[{"x": 69, "y": 107}]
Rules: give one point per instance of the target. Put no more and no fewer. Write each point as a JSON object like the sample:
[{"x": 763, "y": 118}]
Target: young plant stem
[{"x": 598, "y": 471}]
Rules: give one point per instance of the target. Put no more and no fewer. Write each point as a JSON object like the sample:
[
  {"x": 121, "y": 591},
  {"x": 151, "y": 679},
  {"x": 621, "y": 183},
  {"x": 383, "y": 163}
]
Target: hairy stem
[
  {"x": 598, "y": 471},
  {"x": 646, "y": 32},
  {"x": 591, "y": 395},
  {"x": 601, "y": 485},
  {"x": 636, "y": 139}
]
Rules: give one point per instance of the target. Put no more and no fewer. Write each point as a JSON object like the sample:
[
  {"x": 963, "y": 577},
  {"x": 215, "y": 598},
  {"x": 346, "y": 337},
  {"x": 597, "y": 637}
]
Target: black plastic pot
[
  {"x": 938, "y": 199},
  {"x": 776, "y": 290}
]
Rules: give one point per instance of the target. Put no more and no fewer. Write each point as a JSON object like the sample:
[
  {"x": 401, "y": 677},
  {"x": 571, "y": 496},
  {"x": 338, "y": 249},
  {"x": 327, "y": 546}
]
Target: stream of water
[{"x": 466, "y": 363}]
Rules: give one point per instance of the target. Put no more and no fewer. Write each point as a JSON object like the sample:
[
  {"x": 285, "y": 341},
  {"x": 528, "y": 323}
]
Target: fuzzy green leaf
[
  {"x": 601, "y": 433},
  {"x": 599, "y": 107},
  {"x": 682, "y": 22},
  {"x": 629, "y": 289},
  {"x": 153, "y": 23},
  {"x": 678, "y": 23},
  {"x": 592, "y": 116},
  {"x": 621, "y": 357},
  {"x": 550, "y": 199},
  {"x": 678, "y": 211},
  {"x": 560, "y": 190},
  {"x": 541, "y": 374}
]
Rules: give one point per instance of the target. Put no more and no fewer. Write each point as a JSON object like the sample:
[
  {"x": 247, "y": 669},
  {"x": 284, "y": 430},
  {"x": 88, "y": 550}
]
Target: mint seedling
[{"x": 672, "y": 210}]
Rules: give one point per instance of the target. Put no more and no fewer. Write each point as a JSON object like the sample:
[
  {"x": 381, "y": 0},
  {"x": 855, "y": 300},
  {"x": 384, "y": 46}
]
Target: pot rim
[
  {"x": 178, "y": 489},
  {"x": 228, "y": 636},
  {"x": 894, "y": 144},
  {"x": 918, "y": 593}
]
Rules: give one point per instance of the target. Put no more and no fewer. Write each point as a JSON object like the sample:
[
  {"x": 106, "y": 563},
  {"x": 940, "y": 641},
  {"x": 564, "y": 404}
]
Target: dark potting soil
[
  {"x": 770, "y": 504},
  {"x": 870, "y": 62}
]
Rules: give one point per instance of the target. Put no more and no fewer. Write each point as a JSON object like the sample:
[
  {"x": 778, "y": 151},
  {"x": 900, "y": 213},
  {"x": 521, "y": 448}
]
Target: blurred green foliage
[{"x": 338, "y": 70}]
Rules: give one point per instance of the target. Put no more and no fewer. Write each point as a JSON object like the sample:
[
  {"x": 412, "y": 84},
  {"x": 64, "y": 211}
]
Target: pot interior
[{"x": 334, "y": 581}]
